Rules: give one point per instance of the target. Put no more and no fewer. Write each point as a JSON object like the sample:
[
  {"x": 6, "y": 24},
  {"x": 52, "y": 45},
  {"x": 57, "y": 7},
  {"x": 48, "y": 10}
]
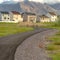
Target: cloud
[
  {"x": 47, "y": 1},
  {"x": 37, "y": 0},
  {"x": 51, "y": 1}
]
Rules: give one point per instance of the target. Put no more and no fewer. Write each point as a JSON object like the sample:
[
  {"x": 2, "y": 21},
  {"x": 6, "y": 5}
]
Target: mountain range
[
  {"x": 56, "y": 6},
  {"x": 28, "y": 6}
]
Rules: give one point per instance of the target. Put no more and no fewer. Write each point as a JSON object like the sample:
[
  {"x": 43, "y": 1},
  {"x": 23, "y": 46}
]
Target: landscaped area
[
  {"x": 54, "y": 46},
  {"x": 12, "y": 28}
]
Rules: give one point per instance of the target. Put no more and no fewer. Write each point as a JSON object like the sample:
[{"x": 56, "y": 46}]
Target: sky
[{"x": 42, "y": 1}]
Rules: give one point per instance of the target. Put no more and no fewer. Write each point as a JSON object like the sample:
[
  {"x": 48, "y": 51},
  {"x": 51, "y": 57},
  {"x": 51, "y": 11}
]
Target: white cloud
[
  {"x": 1, "y": 1},
  {"x": 52, "y": 1},
  {"x": 37, "y": 0}
]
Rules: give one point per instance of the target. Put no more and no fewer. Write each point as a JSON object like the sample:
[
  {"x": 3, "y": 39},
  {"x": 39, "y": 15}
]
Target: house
[
  {"x": 45, "y": 18},
  {"x": 53, "y": 17},
  {"x": 16, "y": 17},
  {"x": 29, "y": 17},
  {"x": 4, "y": 16},
  {"x": 48, "y": 17}
]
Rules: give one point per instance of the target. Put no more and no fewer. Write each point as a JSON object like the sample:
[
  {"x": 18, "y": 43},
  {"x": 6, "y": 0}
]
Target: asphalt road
[{"x": 9, "y": 44}]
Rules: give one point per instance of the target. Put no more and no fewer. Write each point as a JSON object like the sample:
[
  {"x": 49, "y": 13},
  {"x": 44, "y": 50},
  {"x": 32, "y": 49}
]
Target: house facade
[
  {"x": 16, "y": 17},
  {"x": 29, "y": 17},
  {"x": 4, "y": 16},
  {"x": 53, "y": 17},
  {"x": 44, "y": 18}
]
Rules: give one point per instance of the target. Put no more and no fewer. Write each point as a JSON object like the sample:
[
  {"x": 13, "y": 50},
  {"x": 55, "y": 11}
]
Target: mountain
[
  {"x": 26, "y": 6},
  {"x": 56, "y": 6},
  {"x": 9, "y": 2},
  {"x": 10, "y": 7}
]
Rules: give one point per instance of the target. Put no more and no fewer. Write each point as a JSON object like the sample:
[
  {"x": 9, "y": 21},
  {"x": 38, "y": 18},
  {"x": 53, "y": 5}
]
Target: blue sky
[{"x": 42, "y": 1}]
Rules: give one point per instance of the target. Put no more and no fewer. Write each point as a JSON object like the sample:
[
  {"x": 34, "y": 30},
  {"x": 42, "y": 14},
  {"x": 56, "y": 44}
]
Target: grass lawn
[
  {"x": 54, "y": 45},
  {"x": 12, "y": 28},
  {"x": 56, "y": 56},
  {"x": 49, "y": 25}
]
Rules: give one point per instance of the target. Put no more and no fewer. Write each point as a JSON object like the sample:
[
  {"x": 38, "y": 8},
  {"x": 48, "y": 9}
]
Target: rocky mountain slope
[{"x": 26, "y": 6}]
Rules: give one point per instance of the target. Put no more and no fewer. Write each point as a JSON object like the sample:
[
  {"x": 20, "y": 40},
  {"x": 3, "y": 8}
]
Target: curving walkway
[{"x": 33, "y": 47}]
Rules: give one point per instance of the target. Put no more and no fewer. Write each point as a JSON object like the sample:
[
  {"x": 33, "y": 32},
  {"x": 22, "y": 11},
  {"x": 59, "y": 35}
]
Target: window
[
  {"x": 8, "y": 18},
  {"x": 4, "y": 17},
  {"x": 13, "y": 20},
  {"x": 32, "y": 19}
]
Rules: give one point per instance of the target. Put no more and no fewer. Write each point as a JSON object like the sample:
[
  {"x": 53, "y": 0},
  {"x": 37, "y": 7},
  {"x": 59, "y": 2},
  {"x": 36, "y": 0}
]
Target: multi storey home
[
  {"x": 29, "y": 17},
  {"x": 45, "y": 17},
  {"x": 4, "y": 16},
  {"x": 16, "y": 17},
  {"x": 53, "y": 17}
]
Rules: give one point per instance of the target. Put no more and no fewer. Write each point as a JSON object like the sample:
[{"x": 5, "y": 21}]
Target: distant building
[
  {"x": 53, "y": 17},
  {"x": 29, "y": 17},
  {"x": 4, "y": 16},
  {"x": 44, "y": 18},
  {"x": 16, "y": 17},
  {"x": 48, "y": 17}
]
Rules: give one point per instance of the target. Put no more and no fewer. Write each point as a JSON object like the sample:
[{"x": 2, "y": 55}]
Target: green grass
[
  {"x": 52, "y": 47},
  {"x": 50, "y": 25},
  {"x": 12, "y": 28},
  {"x": 55, "y": 56},
  {"x": 55, "y": 46}
]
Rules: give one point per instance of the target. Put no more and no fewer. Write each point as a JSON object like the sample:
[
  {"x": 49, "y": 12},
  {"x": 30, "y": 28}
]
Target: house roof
[
  {"x": 45, "y": 15},
  {"x": 15, "y": 12},
  {"x": 52, "y": 13},
  {"x": 29, "y": 13},
  {"x": 4, "y": 12}
]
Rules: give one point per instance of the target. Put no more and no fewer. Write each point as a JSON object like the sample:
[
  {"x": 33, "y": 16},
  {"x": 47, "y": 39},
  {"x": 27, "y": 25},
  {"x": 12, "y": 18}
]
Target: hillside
[
  {"x": 56, "y": 6},
  {"x": 27, "y": 6}
]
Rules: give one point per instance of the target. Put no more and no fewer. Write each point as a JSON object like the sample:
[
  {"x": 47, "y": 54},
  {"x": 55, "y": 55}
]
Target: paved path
[
  {"x": 33, "y": 47},
  {"x": 9, "y": 44}
]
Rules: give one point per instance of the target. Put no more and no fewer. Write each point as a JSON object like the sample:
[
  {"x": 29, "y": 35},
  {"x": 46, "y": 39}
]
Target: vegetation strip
[
  {"x": 53, "y": 47},
  {"x": 12, "y": 28}
]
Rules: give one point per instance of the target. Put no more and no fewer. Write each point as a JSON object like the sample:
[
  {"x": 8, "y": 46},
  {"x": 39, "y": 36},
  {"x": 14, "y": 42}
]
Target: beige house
[
  {"x": 4, "y": 17},
  {"x": 29, "y": 17},
  {"x": 53, "y": 17},
  {"x": 16, "y": 17},
  {"x": 44, "y": 18}
]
